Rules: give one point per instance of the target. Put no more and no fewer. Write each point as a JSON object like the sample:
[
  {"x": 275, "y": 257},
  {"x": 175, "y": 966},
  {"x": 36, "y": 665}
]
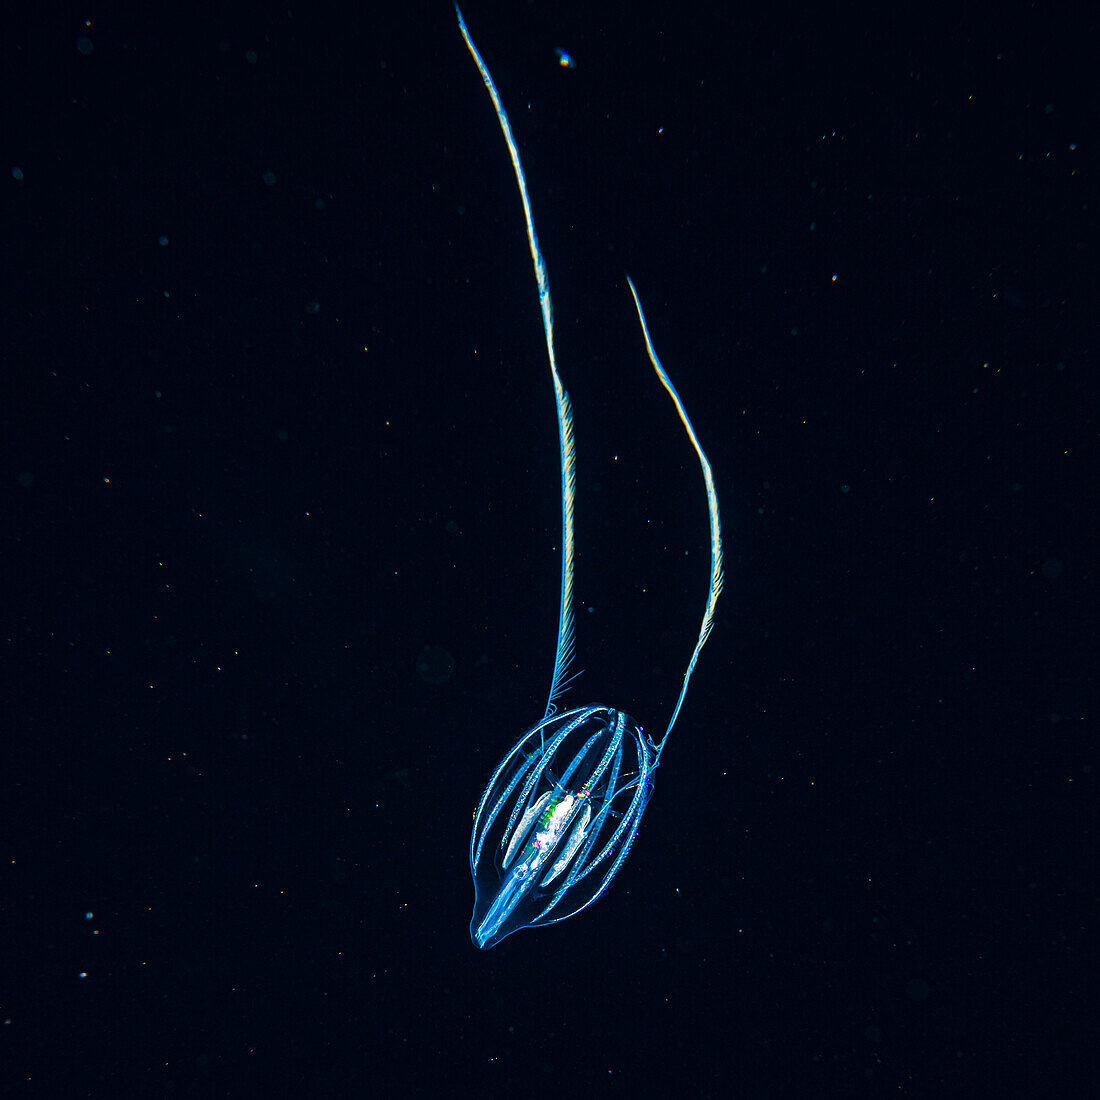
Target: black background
[{"x": 276, "y": 416}]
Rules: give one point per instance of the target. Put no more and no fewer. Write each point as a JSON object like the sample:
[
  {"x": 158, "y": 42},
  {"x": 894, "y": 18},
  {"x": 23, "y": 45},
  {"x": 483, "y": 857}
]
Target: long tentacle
[
  {"x": 564, "y": 651},
  {"x": 712, "y": 506}
]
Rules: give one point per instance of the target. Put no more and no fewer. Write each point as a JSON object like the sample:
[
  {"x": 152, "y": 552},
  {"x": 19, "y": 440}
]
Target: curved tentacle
[
  {"x": 712, "y": 507},
  {"x": 564, "y": 651}
]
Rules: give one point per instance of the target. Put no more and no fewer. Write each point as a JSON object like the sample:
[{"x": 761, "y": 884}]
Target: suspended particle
[
  {"x": 435, "y": 665},
  {"x": 565, "y": 58}
]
